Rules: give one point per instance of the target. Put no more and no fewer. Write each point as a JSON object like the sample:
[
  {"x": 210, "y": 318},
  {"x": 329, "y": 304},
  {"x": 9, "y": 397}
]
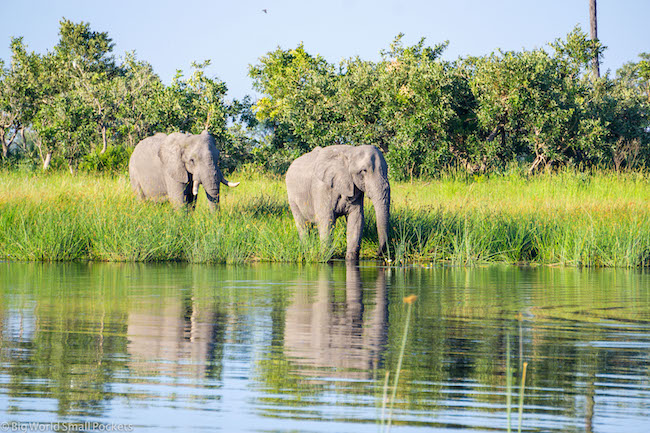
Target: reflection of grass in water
[
  {"x": 409, "y": 300},
  {"x": 522, "y": 388}
]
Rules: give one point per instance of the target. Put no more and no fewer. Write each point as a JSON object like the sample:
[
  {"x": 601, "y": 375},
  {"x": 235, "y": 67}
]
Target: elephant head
[
  {"x": 360, "y": 169},
  {"x": 194, "y": 159}
]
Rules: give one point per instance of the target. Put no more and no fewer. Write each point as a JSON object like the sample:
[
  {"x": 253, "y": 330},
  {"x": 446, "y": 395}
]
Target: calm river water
[{"x": 271, "y": 348}]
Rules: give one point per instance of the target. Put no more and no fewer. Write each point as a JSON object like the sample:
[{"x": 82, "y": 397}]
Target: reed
[
  {"x": 568, "y": 218},
  {"x": 386, "y": 422}
]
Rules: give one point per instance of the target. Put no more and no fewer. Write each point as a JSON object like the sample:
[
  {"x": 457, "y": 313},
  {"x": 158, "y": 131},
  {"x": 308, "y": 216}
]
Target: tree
[
  {"x": 206, "y": 95},
  {"x": 420, "y": 107},
  {"x": 193, "y": 104},
  {"x": 636, "y": 76},
  {"x": 625, "y": 112},
  {"x": 63, "y": 126},
  {"x": 577, "y": 52},
  {"x": 20, "y": 94},
  {"x": 8, "y": 116},
  {"x": 137, "y": 112},
  {"x": 85, "y": 56},
  {"x": 409, "y": 104},
  {"x": 593, "y": 21},
  {"x": 300, "y": 91}
]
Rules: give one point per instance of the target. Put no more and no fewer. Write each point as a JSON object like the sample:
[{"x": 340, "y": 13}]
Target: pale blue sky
[{"x": 235, "y": 33}]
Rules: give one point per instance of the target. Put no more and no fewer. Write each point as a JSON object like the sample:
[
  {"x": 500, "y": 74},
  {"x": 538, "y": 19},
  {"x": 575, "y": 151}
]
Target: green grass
[{"x": 569, "y": 218}]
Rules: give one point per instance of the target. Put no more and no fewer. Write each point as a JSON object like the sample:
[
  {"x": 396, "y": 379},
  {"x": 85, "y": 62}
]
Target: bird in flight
[{"x": 264, "y": 10}]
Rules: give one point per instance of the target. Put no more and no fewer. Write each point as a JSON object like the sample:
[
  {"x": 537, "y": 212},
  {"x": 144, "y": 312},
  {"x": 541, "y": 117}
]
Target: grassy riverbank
[{"x": 562, "y": 219}]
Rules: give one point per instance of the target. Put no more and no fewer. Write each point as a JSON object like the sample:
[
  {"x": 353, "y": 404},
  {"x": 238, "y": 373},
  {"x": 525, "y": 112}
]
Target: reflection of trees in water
[
  {"x": 72, "y": 347},
  {"x": 83, "y": 332},
  {"x": 65, "y": 345},
  {"x": 326, "y": 329},
  {"x": 143, "y": 325},
  {"x": 456, "y": 350}
]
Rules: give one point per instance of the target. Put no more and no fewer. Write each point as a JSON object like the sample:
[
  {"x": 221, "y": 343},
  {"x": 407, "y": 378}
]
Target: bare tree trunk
[
  {"x": 594, "y": 35},
  {"x": 46, "y": 161},
  {"x": 4, "y": 145},
  {"x": 104, "y": 140},
  {"x": 7, "y": 145},
  {"x": 22, "y": 135}
]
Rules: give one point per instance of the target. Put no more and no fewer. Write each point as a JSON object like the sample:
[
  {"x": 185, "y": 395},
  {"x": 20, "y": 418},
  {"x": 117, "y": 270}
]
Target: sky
[{"x": 233, "y": 34}]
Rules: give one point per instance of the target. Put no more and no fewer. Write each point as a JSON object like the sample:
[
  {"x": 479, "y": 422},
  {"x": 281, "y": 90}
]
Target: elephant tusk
[
  {"x": 195, "y": 188},
  {"x": 229, "y": 183}
]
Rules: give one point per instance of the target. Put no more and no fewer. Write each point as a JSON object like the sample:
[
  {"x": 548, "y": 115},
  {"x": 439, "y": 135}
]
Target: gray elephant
[
  {"x": 329, "y": 182},
  {"x": 171, "y": 167}
]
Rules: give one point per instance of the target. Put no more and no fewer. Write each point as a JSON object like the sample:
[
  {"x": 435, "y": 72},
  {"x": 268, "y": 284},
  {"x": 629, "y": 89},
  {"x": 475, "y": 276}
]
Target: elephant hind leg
[
  {"x": 137, "y": 189},
  {"x": 299, "y": 219}
]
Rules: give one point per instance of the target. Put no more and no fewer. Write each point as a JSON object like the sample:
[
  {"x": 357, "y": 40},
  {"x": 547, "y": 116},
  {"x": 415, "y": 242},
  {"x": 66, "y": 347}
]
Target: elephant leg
[
  {"x": 301, "y": 221},
  {"x": 135, "y": 185},
  {"x": 176, "y": 193},
  {"x": 354, "y": 232},
  {"x": 325, "y": 226}
]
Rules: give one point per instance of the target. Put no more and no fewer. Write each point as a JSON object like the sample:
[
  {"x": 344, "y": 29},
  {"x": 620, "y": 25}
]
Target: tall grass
[{"x": 568, "y": 218}]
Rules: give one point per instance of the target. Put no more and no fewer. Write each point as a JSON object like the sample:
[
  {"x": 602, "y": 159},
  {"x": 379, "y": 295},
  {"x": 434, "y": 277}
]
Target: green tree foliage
[
  {"x": 409, "y": 104},
  {"x": 63, "y": 124},
  {"x": 541, "y": 107},
  {"x": 89, "y": 72},
  {"x": 138, "y": 113},
  {"x": 526, "y": 99},
  {"x": 301, "y": 91},
  {"x": 20, "y": 92},
  {"x": 625, "y": 111},
  {"x": 193, "y": 104},
  {"x": 80, "y": 105},
  {"x": 79, "y": 102}
]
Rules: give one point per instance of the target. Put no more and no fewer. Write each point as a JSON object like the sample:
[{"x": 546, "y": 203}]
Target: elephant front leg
[
  {"x": 325, "y": 226},
  {"x": 354, "y": 233}
]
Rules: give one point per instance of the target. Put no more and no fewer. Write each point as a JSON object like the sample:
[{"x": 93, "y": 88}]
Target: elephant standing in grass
[
  {"x": 171, "y": 167},
  {"x": 329, "y": 182}
]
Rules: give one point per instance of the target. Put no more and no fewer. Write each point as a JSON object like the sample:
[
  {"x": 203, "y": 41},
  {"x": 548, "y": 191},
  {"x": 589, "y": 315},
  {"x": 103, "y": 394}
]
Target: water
[{"x": 266, "y": 348}]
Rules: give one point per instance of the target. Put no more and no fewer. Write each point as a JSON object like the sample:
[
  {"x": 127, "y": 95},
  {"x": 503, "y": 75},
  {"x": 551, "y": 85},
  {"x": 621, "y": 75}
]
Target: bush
[{"x": 114, "y": 160}]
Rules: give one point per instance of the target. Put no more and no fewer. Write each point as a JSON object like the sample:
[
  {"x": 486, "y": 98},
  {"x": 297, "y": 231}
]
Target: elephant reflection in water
[
  {"x": 349, "y": 336},
  {"x": 180, "y": 333}
]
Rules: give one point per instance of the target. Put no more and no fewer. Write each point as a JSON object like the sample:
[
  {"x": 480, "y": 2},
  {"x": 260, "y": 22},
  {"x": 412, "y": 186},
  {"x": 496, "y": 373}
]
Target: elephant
[
  {"x": 330, "y": 182},
  {"x": 340, "y": 336},
  {"x": 171, "y": 167}
]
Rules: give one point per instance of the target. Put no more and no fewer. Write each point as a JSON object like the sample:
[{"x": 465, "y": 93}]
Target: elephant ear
[
  {"x": 333, "y": 170},
  {"x": 171, "y": 155}
]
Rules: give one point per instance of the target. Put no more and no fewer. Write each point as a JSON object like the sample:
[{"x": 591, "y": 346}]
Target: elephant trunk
[
  {"x": 221, "y": 178},
  {"x": 211, "y": 187},
  {"x": 211, "y": 184},
  {"x": 380, "y": 198},
  {"x": 227, "y": 182}
]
